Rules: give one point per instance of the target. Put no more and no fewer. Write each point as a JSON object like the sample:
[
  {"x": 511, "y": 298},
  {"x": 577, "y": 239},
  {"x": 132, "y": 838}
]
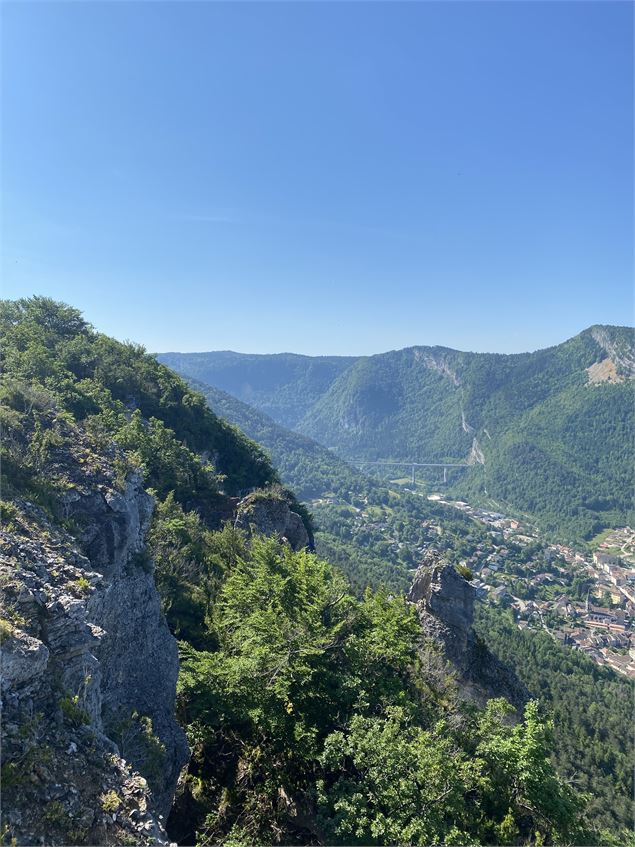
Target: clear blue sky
[{"x": 321, "y": 178}]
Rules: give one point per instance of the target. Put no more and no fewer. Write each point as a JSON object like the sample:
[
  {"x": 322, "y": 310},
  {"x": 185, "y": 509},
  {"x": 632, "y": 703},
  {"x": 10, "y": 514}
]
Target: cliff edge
[{"x": 91, "y": 749}]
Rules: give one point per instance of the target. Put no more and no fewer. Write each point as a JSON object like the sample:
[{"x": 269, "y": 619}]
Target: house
[
  {"x": 541, "y": 578},
  {"x": 605, "y": 560},
  {"x": 499, "y": 594}
]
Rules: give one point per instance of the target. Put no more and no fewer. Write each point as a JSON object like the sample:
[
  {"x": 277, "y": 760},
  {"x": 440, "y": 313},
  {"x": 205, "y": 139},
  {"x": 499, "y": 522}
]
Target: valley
[
  {"x": 539, "y": 431},
  {"x": 542, "y": 572},
  {"x": 377, "y": 527},
  {"x": 369, "y": 582},
  {"x": 583, "y": 600}
]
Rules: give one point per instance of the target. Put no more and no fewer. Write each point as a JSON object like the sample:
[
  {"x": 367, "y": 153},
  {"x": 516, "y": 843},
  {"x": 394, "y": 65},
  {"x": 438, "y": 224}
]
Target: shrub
[
  {"x": 82, "y": 585},
  {"x": 6, "y": 630},
  {"x": 110, "y": 801},
  {"x": 465, "y": 572},
  {"x": 73, "y": 712}
]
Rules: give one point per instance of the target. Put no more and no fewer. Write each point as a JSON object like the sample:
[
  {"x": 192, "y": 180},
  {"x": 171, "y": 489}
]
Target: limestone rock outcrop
[
  {"x": 445, "y": 605},
  {"x": 272, "y": 516},
  {"x": 90, "y": 747}
]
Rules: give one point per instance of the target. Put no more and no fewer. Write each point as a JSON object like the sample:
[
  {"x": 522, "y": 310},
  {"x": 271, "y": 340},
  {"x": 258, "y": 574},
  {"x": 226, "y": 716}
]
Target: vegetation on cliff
[{"x": 56, "y": 366}]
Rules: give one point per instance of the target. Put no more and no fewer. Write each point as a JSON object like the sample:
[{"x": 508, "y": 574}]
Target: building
[{"x": 605, "y": 560}]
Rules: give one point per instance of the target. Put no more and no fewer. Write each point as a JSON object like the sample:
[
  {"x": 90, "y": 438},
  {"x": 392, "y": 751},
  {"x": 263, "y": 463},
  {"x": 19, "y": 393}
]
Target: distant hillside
[
  {"x": 283, "y": 385},
  {"x": 340, "y": 493},
  {"x": 311, "y": 469},
  {"x": 549, "y": 434}
]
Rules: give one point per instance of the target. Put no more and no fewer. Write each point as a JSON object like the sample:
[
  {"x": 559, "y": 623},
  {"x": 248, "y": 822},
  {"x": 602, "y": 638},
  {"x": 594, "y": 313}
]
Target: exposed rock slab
[{"x": 604, "y": 371}]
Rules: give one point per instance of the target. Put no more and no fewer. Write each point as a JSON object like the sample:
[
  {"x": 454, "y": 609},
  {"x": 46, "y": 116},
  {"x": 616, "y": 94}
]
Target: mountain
[
  {"x": 283, "y": 385},
  {"x": 547, "y": 434},
  {"x": 132, "y": 516},
  {"x": 592, "y": 706},
  {"x": 107, "y": 493},
  {"x": 309, "y": 468}
]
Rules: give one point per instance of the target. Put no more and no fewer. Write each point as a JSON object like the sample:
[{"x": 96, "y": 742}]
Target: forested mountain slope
[
  {"x": 284, "y": 385},
  {"x": 309, "y": 468},
  {"x": 549, "y": 433},
  {"x": 347, "y": 505},
  {"x": 592, "y": 706}
]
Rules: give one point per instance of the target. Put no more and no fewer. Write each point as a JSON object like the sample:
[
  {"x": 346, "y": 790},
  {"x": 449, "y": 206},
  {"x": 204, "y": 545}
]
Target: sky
[{"x": 321, "y": 178}]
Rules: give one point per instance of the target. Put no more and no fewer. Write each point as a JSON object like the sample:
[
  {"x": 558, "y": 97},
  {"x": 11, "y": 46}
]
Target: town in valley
[{"x": 585, "y": 600}]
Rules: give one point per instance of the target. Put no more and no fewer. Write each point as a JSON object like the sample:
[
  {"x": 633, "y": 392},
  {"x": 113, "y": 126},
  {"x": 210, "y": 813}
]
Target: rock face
[
  {"x": 445, "y": 604},
  {"x": 137, "y": 654},
  {"x": 620, "y": 356},
  {"x": 89, "y": 672},
  {"x": 272, "y": 516}
]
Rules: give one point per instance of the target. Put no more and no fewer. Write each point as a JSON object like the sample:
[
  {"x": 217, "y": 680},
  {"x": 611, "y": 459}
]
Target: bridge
[{"x": 414, "y": 465}]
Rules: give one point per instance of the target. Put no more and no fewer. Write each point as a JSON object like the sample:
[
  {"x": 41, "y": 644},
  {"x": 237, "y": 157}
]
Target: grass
[
  {"x": 72, "y": 711},
  {"x": 82, "y": 585},
  {"x": 600, "y": 538},
  {"x": 6, "y": 630}
]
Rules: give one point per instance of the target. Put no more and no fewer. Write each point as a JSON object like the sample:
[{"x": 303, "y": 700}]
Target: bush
[
  {"x": 465, "y": 572},
  {"x": 73, "y": 712}
]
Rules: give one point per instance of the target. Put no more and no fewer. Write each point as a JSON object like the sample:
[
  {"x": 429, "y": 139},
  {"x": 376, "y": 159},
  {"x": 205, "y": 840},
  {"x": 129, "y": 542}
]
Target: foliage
[
  {"x": 57, "y": 370},
  {"x": 72, "y": 711},
  {"x": 313, "y": 721},
  {"x": 110, "y": 801},
  {"x": 313, "y": 713},
  {"x": 6, "y": 630},
  {"x": 592, "y": 709},
  {"x": 597, "y": 766},
  {"x": 139, "y": 745},
  {"x": 389, "y": 781},
  {"x": 465, "y": 572}
]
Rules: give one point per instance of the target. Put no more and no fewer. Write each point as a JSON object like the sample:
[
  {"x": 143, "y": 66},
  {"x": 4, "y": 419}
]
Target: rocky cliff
[
  {"x": 445, "y": 605},
  {"x": 91, "y": 750}
]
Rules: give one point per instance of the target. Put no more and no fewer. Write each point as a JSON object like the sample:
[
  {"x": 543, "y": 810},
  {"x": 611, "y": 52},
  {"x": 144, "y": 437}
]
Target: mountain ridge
[
  {"x": 121, "y": 491},
  {"x": 562, "y": 411},
  {"x": 355, "y": 357}
]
